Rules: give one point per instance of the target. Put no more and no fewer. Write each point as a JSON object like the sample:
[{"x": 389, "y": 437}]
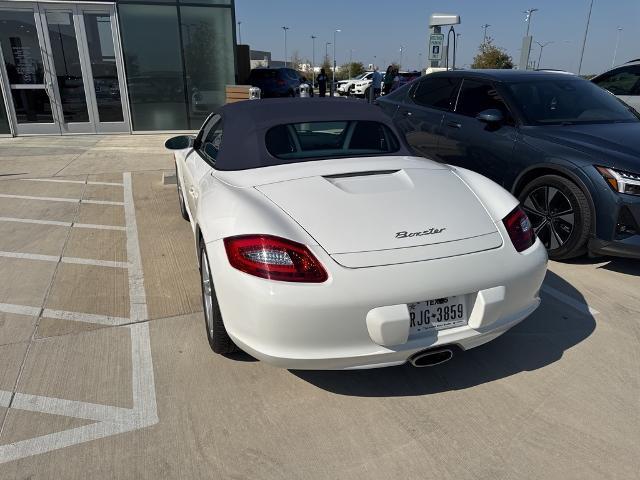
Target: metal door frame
[
  {"x": 39, "y": 9},
  {"x": 31, "y": 128}
]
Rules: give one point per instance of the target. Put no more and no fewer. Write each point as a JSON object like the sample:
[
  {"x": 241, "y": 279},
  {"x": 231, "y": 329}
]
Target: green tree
[
  {"x": 491, "y": 56},
  {"x": 350, "y": 70}
]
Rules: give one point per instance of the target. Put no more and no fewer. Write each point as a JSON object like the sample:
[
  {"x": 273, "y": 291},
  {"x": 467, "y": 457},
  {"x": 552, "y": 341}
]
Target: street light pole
[
  {"x": 529, "y": 15},
  {"x": 615, "y": 51},
  {"x": 313, "y": 60},
  {"x": 484, "y": 38},
  {"x": 541, "y": 45},
  {"x": 239, "y": 34},
  {"x": 285, "y": 45},
  {"x": 326, "y": 52},
  {"x": 401, "y": 47},
  {"x": 350, "y": 61},
  {"x": 333, "y": 73},
  {"x": 584, "y": 40}
]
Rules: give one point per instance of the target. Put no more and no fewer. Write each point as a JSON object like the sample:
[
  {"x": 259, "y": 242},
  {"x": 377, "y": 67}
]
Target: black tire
[
  {"x": 183, "y": 208},
  {"x": 217, "y": 335},
  {"x": 560, "y": 214}
]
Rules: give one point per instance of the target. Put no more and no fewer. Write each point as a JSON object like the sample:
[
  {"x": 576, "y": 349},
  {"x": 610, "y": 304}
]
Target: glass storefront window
[
  {"x": 153, "y": 65},
  {"x": 20, "y": 47},
  {"x": 207, "y": 39}
]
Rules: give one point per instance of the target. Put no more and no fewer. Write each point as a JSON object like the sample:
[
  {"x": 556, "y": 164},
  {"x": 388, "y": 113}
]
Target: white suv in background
[
  {"x": 623, "y": 82},
  {"x": 344, "y": 86},
  {"x": 361, "y": 87}
]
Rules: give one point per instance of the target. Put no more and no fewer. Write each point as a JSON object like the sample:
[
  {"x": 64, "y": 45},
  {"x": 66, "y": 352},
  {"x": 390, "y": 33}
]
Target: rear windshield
[{"x": 321, "y": 140}]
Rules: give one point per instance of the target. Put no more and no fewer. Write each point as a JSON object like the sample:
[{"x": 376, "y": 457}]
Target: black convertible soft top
[{"x": 246, "y": 123}]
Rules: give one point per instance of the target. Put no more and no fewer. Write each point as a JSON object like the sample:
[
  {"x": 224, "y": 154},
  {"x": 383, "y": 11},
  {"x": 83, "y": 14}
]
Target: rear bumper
[{"x": 327, "y": 326}]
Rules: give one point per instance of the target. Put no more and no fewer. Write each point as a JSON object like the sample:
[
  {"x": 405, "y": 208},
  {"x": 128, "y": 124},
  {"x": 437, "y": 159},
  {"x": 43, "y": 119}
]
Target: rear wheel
[
  {"x": 183, "y": 207},
  {"x": 560, "y": 214},
  {"x": 217, "y": 335}
]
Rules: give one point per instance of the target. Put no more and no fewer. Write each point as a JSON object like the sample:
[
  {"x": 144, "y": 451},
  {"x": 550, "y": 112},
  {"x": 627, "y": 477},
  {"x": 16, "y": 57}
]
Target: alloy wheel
[
  {"x": 552, "y": 215},
  {"x": 207, "y": 293}
]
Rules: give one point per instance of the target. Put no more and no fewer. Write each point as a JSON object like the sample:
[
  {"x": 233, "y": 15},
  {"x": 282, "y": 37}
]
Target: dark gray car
[{"x": 569, "y": 150}]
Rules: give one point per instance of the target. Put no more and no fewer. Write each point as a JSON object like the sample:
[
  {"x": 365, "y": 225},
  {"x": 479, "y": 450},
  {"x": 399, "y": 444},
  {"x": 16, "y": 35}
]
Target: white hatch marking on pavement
[
  {"x": 31, "y": 256},
  {"x": 99, "y": 263},
  {"x": 110, "y": 420},
  {"x": 5, "y": 398},
  {"x": 85, "y": 317},
  {"x": 137, "y": 296},
  {"x": 38, "y": 222},
  {"x": 56, "y": 259},
  {"x": 572, "y": 302},
  {"x": 19, "y": 309},
  {"x": 46, "y": 199},
  {"x": 57, "y": 199},
  {"x": 58, "y": 180},
  {"x": 103, "y": 202},
  {"x": 99, "y": 227},
  {"x": 63, "y": 224}
]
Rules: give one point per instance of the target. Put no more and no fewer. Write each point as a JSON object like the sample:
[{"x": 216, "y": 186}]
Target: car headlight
[{"x": 621, "y": 181}]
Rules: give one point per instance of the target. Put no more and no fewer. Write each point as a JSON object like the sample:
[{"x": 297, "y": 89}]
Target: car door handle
[
  {"x": 454, "y": 125},
  {"x": 407, "y": 113}
]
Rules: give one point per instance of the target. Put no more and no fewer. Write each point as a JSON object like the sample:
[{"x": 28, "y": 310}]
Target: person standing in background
[
  {"x": 376, "y": 84},
  {"x": 388, "y": 79},
  {"x": 322, "y": 83}
]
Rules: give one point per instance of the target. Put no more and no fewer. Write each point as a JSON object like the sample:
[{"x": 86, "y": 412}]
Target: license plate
[{"x": 438, "y": 314}]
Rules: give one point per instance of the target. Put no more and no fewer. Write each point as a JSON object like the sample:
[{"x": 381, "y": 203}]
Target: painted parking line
[
  {"x": 57, "y": 258},
  {"x": 110, "y": 420},
  {"x": 63, "y": 224},
  {"x": 58, "y": 199},
  {"x": 58, "y": 180},
  {"x": 64, "y": 315},
  {"x": 572, "y": 302}
]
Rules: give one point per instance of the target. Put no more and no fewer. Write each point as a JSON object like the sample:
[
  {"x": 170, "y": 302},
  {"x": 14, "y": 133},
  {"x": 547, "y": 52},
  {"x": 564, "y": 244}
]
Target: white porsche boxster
[{"x": 323, "y": 243}]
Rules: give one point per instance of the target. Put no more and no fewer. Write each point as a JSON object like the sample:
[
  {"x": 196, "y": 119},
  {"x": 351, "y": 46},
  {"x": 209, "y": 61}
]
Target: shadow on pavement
[
  {"x": 626, "y": 266},
  {"x": 535, "y": 343}
]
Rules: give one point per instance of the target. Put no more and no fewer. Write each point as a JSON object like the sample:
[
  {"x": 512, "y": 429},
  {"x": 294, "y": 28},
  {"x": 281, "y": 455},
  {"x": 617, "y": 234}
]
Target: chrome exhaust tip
[{"x": 431, "y": 358}]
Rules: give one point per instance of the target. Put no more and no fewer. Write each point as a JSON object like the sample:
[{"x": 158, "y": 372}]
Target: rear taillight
[
  {"x": 274, "y": 258},
  {"x": 519, "y": 228},
  {"x": 280, "y": 82}
]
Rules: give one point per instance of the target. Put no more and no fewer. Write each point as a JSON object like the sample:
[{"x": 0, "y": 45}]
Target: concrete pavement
[{"x": 101, "y": 379}]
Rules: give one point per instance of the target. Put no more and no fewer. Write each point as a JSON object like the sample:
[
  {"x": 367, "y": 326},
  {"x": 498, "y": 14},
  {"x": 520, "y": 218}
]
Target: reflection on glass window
[
  {"x": 103, "y": 66},
  {"x": 66, "y": 59},
  {"x": 207, "y": 39},
  {"x": 20, "y": 47},
  {"x": 153, "y": 63}
]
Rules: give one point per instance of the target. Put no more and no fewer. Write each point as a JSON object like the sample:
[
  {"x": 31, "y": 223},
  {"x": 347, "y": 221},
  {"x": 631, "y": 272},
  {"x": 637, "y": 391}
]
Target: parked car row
[{"x": 566, "y": 148}]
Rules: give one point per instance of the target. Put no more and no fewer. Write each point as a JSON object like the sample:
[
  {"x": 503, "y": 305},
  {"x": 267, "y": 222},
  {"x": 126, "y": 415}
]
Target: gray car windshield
[
  {"x": 316, "y": 140},
  {"x": 568, "y": 102}
]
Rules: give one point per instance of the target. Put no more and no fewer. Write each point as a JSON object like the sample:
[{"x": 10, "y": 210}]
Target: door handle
[
  {"x": 454, "y": 125},
  {"x": 407, "y": 113}
]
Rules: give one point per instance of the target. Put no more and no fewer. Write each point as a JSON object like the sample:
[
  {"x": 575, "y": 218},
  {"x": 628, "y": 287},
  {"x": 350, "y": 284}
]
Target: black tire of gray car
[
  {"x": 219, "y": 339},
  {"x": 548, "y": 214},
  {"x": 183, "y": 208}
]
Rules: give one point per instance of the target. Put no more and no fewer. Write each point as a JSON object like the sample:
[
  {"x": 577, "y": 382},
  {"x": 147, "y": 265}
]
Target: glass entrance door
[
  {"x": 63, "y": 68},
  {"x": 26, "y": 72}
]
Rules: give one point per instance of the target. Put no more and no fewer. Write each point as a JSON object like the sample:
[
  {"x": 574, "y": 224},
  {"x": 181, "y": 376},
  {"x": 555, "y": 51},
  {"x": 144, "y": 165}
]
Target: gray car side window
[{"x": 437, "y": 92}]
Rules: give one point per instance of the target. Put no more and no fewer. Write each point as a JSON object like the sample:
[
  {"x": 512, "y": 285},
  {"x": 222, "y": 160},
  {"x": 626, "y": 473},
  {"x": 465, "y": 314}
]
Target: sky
[{"x": 380, "y": 28}]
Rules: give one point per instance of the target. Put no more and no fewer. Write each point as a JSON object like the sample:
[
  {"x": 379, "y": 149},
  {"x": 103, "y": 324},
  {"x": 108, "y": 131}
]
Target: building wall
[{"x": 178, "y": 56}]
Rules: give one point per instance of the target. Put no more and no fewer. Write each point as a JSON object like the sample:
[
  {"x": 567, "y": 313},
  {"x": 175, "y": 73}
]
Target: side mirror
[
  {"x": 179, "y": 143},
  {"x": 491, "y": 116}
]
